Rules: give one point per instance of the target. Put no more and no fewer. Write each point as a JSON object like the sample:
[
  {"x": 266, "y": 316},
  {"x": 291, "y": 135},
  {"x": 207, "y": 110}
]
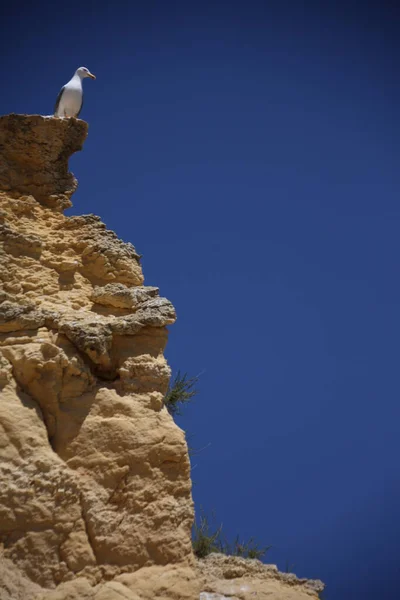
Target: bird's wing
[
  {"x": 79, "y": 112},
  {"x": 58, "y": 100}
]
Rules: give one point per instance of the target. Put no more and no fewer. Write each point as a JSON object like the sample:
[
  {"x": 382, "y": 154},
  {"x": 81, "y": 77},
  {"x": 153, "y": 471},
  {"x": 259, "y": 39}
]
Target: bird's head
[{"x": 84, "y": 72}]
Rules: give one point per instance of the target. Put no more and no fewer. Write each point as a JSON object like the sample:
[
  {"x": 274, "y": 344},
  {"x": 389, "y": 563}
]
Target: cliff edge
[{"x": 95, "y": 495}]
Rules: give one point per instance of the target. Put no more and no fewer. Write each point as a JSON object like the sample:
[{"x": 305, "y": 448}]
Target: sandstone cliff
[{"x": 95, "y": 494}]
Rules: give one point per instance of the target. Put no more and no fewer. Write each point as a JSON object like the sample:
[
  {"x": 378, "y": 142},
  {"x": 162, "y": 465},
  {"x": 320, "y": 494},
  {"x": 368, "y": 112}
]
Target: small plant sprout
[{"x": 179, "y": 393}]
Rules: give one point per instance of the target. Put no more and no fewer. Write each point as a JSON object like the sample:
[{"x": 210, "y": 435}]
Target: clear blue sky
[{"x": 250, "y": 152}]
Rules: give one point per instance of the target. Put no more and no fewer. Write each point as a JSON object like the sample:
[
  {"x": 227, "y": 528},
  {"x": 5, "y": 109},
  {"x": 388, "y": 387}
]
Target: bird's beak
[{"x": 92, "y": 76}]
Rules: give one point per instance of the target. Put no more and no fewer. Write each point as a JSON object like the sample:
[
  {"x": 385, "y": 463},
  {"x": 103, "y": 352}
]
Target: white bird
[{"x": 70, "y": 99}]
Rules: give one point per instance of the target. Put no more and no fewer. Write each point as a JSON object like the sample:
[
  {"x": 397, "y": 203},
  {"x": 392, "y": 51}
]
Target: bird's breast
[{"x": 72, "y": 97}]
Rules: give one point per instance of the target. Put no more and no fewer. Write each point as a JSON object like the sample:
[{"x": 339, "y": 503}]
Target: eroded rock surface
[
  {"x": 234, "y": 578},
  {"x": 95, "y": 494},
  {"x": 34, "y": 157},
  {"x": 95, "y": 476}
]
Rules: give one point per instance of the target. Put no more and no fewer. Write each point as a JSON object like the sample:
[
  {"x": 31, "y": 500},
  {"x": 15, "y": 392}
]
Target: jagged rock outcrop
[
  {"x": 234, "y": 578},
  {"x": 95, "y": 494},
  {"x": 95, "y": 475},
  {"x": 34, "y": 157}
]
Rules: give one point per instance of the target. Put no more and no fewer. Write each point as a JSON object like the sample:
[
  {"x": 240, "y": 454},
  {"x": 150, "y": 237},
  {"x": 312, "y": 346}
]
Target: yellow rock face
[
  {"x": 95, "y": 488},
  {"x": 234, "y": 578},
  {"x": 95, "y": 475}
]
